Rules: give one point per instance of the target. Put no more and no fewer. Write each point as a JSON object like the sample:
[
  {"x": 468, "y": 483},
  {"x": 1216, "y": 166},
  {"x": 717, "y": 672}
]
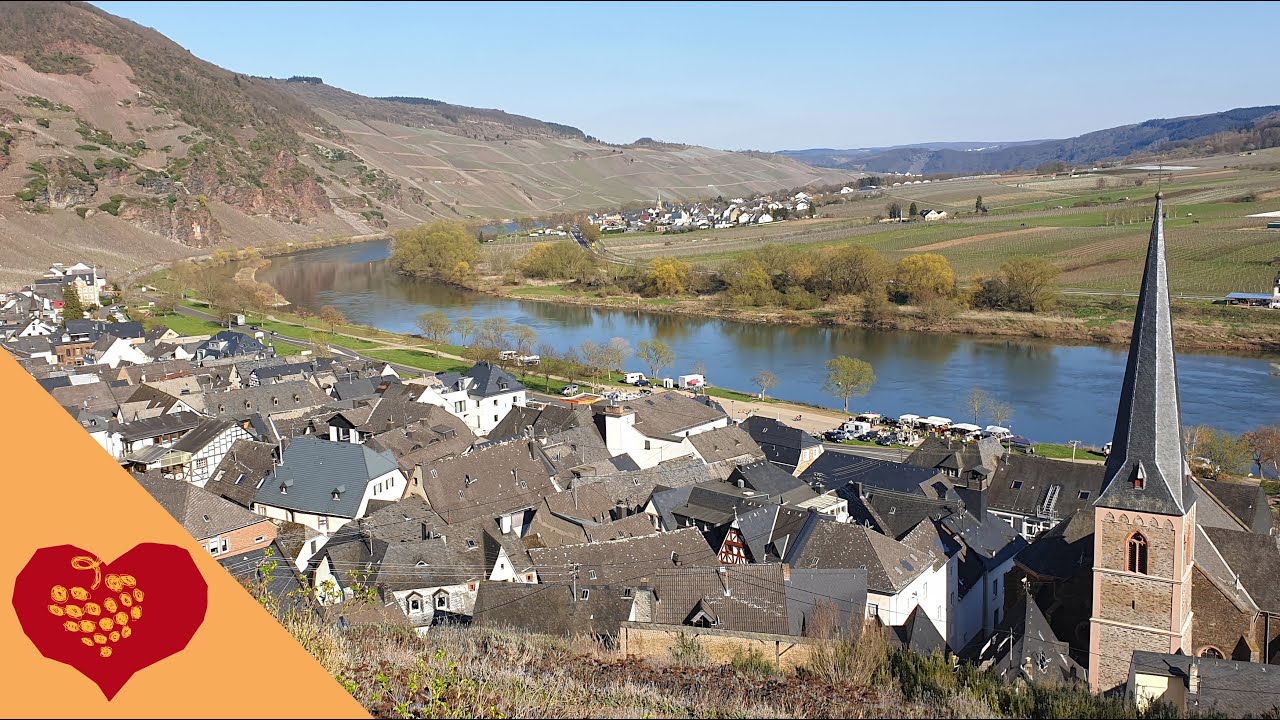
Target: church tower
[{"x": 1145, "y": 516}]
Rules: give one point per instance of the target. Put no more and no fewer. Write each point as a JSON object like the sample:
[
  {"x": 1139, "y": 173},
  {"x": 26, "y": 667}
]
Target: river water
[{"x": 1058, "y": 392}]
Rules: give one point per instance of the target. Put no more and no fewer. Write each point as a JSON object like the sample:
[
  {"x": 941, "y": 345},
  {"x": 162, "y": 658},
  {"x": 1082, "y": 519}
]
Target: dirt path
[{"x": 943, "y": 245}]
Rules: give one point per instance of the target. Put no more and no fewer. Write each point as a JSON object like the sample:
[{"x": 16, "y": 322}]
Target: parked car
[
  {"x": 644, "y": 383},
  {"x": 837, "y": 435},
  {"x": 569, "y": 389},
  {"x": 887, "y": 440}
]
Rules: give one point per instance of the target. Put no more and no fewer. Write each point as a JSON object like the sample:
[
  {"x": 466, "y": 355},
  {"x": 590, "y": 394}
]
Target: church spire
[{"x": 1147, "y": 468}]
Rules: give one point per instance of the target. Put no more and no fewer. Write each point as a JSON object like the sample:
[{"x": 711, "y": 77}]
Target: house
[
  {"x": 564, "y": 609},
  {"x": 481, "y": 396},
  {"x": 656, "y": 428},
  {"x": 1025, "y": 650},
  {"x": 630, "y": 489},
  {"x": 325, "y": 485},
  {"x": 930, "y": 215},
  {"x": 242, "y": 468},
  {"x": 623, "y": 561},
  {"x": 791, "y": 448},
  {"x": 231, "y": 344},
  {"x": 564, "y": 518},
  {"x": 506, "y": 480},
  {"x": 139, "y": 441},
  {"x": 240, "y": 405},
  {"x": 110, "y": 350},
  {"x": 724, "y": 449},
  {"x": 1203, "y": 686},
  {"x": 221, "y": 527},
  {"x": 207, "y": 444},
  {"x": 772, "y": 483}
]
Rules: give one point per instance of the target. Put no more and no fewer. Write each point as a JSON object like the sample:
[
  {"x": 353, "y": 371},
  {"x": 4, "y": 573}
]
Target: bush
[
  {"x": 752, "y": 661},
  {"x": 42, "y": 122},
  {"x": 688, "y": 651},
  {"x": 112, "y": 207}
]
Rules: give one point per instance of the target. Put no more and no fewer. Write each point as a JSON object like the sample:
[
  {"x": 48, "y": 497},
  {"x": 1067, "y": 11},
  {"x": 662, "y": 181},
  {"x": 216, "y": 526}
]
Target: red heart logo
[{"x": 90, "y": 615}]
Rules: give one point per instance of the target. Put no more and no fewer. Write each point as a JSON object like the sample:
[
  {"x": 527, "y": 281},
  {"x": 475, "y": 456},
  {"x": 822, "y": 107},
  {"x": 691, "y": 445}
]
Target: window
[
  {"x": 586, "y": 594},
  {"x": 1017, "y": 485},
  {"x": 259, "y": 539},
  {"x": 415, "y": 604},
  {"x": 1084, "y": 494},
  {"x": 495, "y": 418},
  {"x": 626, "y": 593},
  {"x": 377, "y": 488},
  {"x": 995, "y": 588},
  {"x": 240, "y": 479},
  {"x": 495, "y": 402},
  {"x": 591, "y": 574},
  {"x": 647, "y": 445},
  {"x": 322, "y": 523},
  {"x": 1212, "y": 652},
  {"x": 1137, "y": 554},
  {"x": 460, "y": 406},
  {"x": 442, "y": 602},
  {"x": 213, "y": 548},
  {"x": 200, "y": 463},
  {"x": 222, "y": 543},
  {"x": 873, "y": 610}
]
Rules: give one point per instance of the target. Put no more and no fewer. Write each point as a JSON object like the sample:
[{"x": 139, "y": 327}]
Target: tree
[
  {"x": 465, "y": 328},
  {"x": 655, "y": 354},
  {"x": 699, "y": 368},
  {"x": 319, "y": 348},
  {"x": 590, "y": 233},
  {"x": 1024, "y": 284},
  {"x": 166, "y": 303},
  {"x": 979, "y": 206},
  {"x": 1264, "y": 443},
  {"x": 1001, "y": 412},
  {"x": 435, "y": 328},
  {"x": 895, "y": 211},
  {"x": 912, "y": 211},
  {"x": 594, "y": 357},
  {"x": 978, "y": 400},
  {"x": 494, "y": 333},
  {"x": 923, "y": 277},
  {"x": 443, "y": 250},
  {"x": 550, "y": 364},
  {"x": 848, "y": 377},
  {"x": 616, "y": 353},
  {"x": 332, "y": 317},
  {"x": 766, "y": 380},
  {"x": 1227, "y": 455},
  {"x": 565, "y": 260},
  {"x": 668, "y": 275},
  {"x": 850, "y": 269},
  {"x": 71, "y": 307},
  {"x": 524, "y": 338}
]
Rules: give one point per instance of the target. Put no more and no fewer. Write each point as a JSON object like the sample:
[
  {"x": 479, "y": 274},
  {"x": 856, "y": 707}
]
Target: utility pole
[{"x": 1074, "y": 444}]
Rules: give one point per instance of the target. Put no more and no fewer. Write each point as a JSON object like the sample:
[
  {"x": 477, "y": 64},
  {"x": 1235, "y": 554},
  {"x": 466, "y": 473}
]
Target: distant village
[{"x": 642, "y": 521}]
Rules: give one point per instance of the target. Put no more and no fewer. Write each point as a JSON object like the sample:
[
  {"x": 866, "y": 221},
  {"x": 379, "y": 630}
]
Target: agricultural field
[{"x": 1095, "y": 235}]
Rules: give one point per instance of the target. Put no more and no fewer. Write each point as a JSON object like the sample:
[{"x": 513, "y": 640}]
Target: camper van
[
  {"x": 689, "y": 382},
  {"x": 633, "y": 378}
]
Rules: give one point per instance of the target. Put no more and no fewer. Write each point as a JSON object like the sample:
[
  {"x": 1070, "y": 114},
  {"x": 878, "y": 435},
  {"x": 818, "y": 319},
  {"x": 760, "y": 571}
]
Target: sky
[{"x": 767, "y": 75}]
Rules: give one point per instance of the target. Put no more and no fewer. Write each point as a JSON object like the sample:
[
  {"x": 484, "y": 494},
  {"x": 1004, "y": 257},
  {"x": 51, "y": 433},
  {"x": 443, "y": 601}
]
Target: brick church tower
[{"x": 1145, "y": 516}]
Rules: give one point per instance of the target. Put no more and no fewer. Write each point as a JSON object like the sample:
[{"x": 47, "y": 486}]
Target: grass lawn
[
  {"x": 734, "y": 395},
  {"x": 419, "y": 359},
  {"x": 184, "y": 325},
  {"x": 353, "y": 343}
]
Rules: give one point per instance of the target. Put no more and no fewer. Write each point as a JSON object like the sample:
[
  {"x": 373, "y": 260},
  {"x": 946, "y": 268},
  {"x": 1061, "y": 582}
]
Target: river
[{"x": 1058, "y": 392}]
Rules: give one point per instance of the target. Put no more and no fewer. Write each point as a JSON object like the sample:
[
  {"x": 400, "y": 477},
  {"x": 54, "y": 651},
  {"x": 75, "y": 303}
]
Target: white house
[
  {"x": 931, "y": 215},
  {"x": 325, "y": 485},
  {"x": 208, "y": 443},
  {"x": 656, "y": 428},
  {"x": 481, "y": 396},
  {"x": 111, "y": 351}
]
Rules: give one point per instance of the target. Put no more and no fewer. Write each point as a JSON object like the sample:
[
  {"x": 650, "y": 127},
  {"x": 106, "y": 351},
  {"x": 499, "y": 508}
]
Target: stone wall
[
  {"x": 1220, "y": 624},
  {"x": 660, "y": 642},
  {"x": 1110, "y": 669}
]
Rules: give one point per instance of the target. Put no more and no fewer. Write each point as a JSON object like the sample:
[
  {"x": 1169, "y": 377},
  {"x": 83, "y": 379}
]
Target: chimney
[
  {"x": 786, "y": 572},
  {"x": 861, "y": 490}
]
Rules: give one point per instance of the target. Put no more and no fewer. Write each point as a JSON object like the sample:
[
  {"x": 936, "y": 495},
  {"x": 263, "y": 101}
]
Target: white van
[{"x": 633, "y": 378}]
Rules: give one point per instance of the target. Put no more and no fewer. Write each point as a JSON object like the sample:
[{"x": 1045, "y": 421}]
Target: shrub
[
  {"x": 42, "y": 122},
  {"x": 112, "y": 207},
  {"x": 688, "y": 651},
  {"x": 90, "y": 148},
  {"x": 752, "y": 661}
]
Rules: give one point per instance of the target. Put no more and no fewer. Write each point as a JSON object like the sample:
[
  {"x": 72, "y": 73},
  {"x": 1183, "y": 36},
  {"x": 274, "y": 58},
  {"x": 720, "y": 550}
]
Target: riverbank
[{"x": 1080, "y": 319}]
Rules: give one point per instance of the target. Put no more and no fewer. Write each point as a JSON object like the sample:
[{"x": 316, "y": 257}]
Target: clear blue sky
[{"x": 764, "y": 76}]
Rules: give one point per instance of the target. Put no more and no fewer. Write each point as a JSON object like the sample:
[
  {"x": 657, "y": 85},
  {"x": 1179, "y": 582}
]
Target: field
[{"x": 1096, "y": 235}]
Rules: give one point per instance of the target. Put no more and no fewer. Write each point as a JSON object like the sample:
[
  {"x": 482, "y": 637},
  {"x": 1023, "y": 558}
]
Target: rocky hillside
[{"x": 117, "y": 146}]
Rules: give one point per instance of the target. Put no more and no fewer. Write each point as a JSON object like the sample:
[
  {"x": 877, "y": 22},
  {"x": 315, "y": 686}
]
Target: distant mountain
[
  {"x": 1110, "y": 144},
  {"x": 118, "y": 144}
]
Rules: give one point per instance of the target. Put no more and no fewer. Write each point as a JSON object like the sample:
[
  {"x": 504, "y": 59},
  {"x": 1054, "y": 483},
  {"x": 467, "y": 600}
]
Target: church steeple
[{"x": 1147, "y": 468}]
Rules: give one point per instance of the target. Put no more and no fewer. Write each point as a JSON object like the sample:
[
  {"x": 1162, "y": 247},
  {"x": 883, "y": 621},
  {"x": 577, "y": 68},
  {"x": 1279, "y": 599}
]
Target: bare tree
[
  {"x": 1001, "y": 412},
  {"x": 435, "y": 329},
  {"x": 655, "y": 354},
  {"x": 978, "y": 400},
  {"x": 465, "y": 328},
  {"x": 764, "y": 380}
]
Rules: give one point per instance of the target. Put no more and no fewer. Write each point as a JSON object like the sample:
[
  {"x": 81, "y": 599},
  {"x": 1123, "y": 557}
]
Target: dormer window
[
  {"x": 471, "y": 543},
  {"x": 1139, "y": 477},
  {"x": 337, "y": 492}
]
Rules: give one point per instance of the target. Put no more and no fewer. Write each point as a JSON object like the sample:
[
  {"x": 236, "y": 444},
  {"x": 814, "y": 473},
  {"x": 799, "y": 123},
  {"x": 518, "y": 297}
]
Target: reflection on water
[{"x": 1058, "y": 392}]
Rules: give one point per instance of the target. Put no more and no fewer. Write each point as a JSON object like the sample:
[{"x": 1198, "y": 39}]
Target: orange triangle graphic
[{"x": 62, "y": 488}]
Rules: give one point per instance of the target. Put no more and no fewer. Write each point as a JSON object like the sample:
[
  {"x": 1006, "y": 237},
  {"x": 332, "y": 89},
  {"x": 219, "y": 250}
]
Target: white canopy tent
[
  {"x": 966, "y": 427},
  {"x": 908, "y": 419},
  {"x": 935, "y": 421},
  {"x": 998, "y": 431}
]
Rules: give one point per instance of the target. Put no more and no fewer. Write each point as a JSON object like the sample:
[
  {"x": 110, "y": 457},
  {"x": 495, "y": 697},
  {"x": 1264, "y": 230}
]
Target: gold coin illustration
[
  {"x": 114, "y": 636},
  {"x": 56, "y": 610},
  {"x": 122, "y": 618},
  {"x": 87, "y": 641},
  {"x": 135, "y": 612},
  {"x": 104, "y": 651},
  {"x": 87, "y": 626},
  {"x": 71, "y": 626},
  {"x": 79, "y": 593},
  {"x": 126, "y": 631},
  {"x": 126, "y": 599},
  {"x": 109, "y": 605},
  {"x": 113, "y": 583},
  {"x": 100, "y": 638},
  {"x": 58, "y": 593},
  {"x": 93, "y": 608},
  {"x": 137, "y": 594},
  {"x": 74, "y": 611},
  {"x": 106, "y": 624}
]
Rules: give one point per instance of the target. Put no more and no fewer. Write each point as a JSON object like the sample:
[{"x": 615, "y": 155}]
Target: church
[{"x": 1161, "y": 562}]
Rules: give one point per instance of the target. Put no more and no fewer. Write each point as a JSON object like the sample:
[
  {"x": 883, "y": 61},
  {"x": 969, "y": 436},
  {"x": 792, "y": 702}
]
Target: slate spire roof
[{"x": 1147, "y": 468}]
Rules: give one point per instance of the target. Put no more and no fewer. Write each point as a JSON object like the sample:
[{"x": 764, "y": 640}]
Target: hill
[
  {"x": 1252, "y": 128},
  {"x": 117, "y": 144}
]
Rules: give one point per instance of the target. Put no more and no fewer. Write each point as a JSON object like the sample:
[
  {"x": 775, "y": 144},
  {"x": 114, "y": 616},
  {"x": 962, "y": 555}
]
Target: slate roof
[
  {"x": 632, "y": 489},
  {"x": 1230, "y": 688},
  {"x": 780, "y": 443},
  {"x": 843, "y": 471},
  {"x": 729, "y": 444},
  {"x": 890, "y": 564},
  {"x": 919, "y": 635},
  {"x": 1035, "y": 478},
  {"x": 487, "y": 381},
  {"x": 1062, "y": 550},
  {"x": 1245, "y": 501},
  {"x": 490, "y": 482},
  {"x": 202, "y": 514},
  {"x": 423, "y": 443},
  {"x": 264, "y": 399},
  {"x": 1256, "y": 559},
  {"x": 772, "y": 482},
  {"x": 285, "y": 583},
  {"x": 248, "y": 458},
  {"x": 713, "y": 502},
  {"x": 447, "y": 559},
  {"x": 160, "y": 425},
  {"x": 99, "y": 397},
  {"x": 1025, "y": 633},
  {"x": 1213, "y": 565},
  {"x": 667, "y": 415},
  {"x": 313, "y": 469},
  {"x": 551, "y": 609},
  {"x": 546, "y": 421},
  {"x": 625, "y": 561},
  {"x": 744, "y": 598},
  {"x": 203, "y": 434},
  {"x": 229, "y": 343},
  {"x": 1148, "y": 432},
  {"x": 769, "y": 531},
  {"x": 409, "y": 519},
  {"x": 635, "y": 525},
  {"x": 811, "y": 594},
  {"x": 895, "y": 514}
]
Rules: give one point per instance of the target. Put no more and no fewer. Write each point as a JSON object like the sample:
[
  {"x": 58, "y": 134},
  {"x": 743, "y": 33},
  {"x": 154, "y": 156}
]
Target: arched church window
[{"x": 1136, "y": 557}]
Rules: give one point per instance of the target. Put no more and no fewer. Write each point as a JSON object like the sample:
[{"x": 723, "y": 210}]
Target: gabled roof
[
  {"x": 202, "y": 514},
  {"x": 726, "y": 444},
  {"x": 1147, "y": 469},
  {"x": 1025, "y": 633},
  {"x": 636, "y": 525},
  {"x": 769, "y": 531},
  {"x": 1246, "y": 503},
  {"x": 490, "y": 482},
  {"x": 1063, "y": 550},
  {"x": 322, "y": 477},
  {"x": 408, "y": 519},
  {"x": 1255, "y": 559},
  {"x": 264, "y": 399},
  {"x": 843, "y": 471},
  {"x": 919, "y": 635},
  {"x": 205, "y": 433},
  {"x": 669, "y": 414},
  {"x": 891, "y": 565},
  {"x": 236, "y": 478},
  {"x": 551, "y": 609},
  {"x": 1228, "y": 688},
  {"x": 633, "y": 488},
  {"x": 625, "y": 561},
  {"x": 780, "y": 443},
  {"x": 489, "y": 380},
  {"x": 160, "y": 425}
]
